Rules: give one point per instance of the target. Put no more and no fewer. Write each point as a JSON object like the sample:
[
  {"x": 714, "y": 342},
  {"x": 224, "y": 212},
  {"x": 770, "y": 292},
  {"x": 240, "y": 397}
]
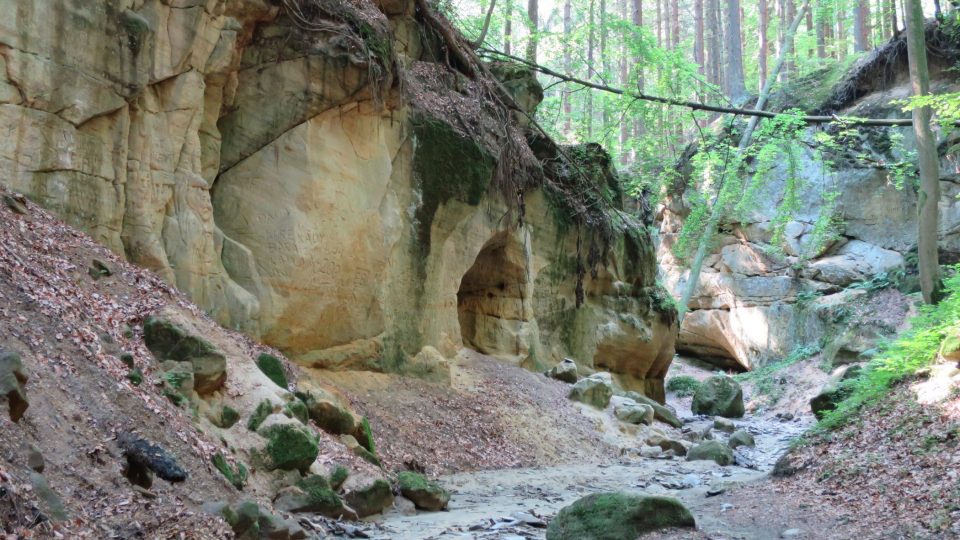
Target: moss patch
[
  {"x": 365, "y": 436},
  {"x": 290, "y": 447},
  {"x": 236, "y": 476},
  {"x": 263, "y": 410},
  {"x": 424, "y": 493},
  {"x": 338, "y": 476},
  {"x": 617, "y": 515},
  {"x": 297, "y": 409},
  {"x": 228, "y": 417},
  {"x": 272, "y": 367}
]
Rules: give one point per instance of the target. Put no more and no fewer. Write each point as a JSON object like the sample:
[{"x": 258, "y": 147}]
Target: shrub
[{"x": 683, "y": 385}]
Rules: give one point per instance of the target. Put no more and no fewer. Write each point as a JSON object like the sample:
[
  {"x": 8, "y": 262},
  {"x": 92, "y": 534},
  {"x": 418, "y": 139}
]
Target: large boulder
[
  {"x": 617, "y": 516},
  {"x": 712, "y": 451},
  {"x": 312, "y": 494},
  {"x": 565, "y": 371},
  {"x": 290, "y": 445},
  {"x": 595, "y": 390},
  {"x": 167, "y": 341},
  {"x": 12, "y": 379},
  {"x": 740, "y": 438},
  {"x": 719, "y": 396},
  {"x": 425, "y": 494},
  {"x": 661, "y": 412},
  {"x": 368, "y": 496}
]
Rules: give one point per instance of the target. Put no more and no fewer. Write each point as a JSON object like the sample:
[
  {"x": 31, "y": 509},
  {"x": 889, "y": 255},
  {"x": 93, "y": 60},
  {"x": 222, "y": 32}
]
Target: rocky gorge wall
[
  {"x": 757, "y": 301},
  {"x": 287, "y": 176}
]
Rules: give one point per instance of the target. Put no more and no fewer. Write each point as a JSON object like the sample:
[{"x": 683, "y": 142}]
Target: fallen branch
[{"x": 852, "y": 121}]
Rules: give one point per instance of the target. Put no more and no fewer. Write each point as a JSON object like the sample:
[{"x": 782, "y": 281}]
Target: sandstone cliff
[
  {"x": 757, "y": 300},
  {"x": 316, "y": 175}
]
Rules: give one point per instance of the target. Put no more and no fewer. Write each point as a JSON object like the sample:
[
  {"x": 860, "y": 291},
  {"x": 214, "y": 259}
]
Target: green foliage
[
  {"x": 365, "y": 436},
  {"x": 766, "y": 380},
  {"x": 272, "y": 367},
  {"x": 915, "y": 349},
  {"x": 683, "y": 385},
  {"x": 263, "y": 410}
]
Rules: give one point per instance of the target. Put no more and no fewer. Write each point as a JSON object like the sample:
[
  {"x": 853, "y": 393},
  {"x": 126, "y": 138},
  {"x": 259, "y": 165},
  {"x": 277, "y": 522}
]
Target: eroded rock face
[
  {"x": 282, "y": 180},
  {"x": 752, "y": 306}
]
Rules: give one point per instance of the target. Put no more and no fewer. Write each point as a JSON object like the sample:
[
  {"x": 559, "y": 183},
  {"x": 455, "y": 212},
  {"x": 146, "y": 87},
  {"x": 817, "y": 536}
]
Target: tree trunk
[
  {"x": 636, "y": 16},
  {"x": 861, "y": 26},
  {"x": 565, "y": 96},
  {"x": 735, "y": 86},
  {"x": 625, "y": 82},
  {"x": 659, "y": 23},
  {"x": 533, "y": 26},
  {"x": 840, "y": 41},
  {"x": 928, "y": 197},
  {"x": 675, "y": 18},
  {"x": 508, "y": 27},
  {"x": 590, "y": 69},
  {"x": 892, "y": 13},
  {"x": 699, "y": 55},
  {"x": 789, "y": 65},
  {"x": 810, "y": 29},
  {"x": 604, "y": 63},
  {"x": 762, "y": 34}
]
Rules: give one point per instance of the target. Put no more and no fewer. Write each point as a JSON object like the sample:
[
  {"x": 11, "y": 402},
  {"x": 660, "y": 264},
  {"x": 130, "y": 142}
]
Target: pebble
[{"x": 791, "y": 533}]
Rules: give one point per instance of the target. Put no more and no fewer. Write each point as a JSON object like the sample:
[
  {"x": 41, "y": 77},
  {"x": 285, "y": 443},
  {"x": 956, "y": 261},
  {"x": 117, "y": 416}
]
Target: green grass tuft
[{"x": 683, "y": 385}]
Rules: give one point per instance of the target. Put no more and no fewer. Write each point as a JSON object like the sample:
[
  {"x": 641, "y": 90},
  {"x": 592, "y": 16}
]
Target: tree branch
[
  {"x": 885, "y": 122},
  {"x": 475, "y": 44}
]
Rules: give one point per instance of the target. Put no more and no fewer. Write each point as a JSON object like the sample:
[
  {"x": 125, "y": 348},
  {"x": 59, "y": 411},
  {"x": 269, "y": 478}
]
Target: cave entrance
[{"x": 493, "y": 302}]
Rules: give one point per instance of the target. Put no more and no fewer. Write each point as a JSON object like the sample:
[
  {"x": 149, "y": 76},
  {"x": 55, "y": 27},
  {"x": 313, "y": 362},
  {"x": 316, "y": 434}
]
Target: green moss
[
  {"x": 320, "y": 495},
  {"x": 236, "y": 476},
  {"x": 175, "y": 397},
  {"x": 290, "y": 447},
  {"x": 127, "y": 359},
  {"x": 338, "y": 476},
  {"x": 683, "y": 385},
  {"x": 263, "y": 410},
  {"x": 228, "y": 417},
  {"x": 135, "y": 376},
  {"x": 409, "y": 480},
  {"x": 365, "y": 436},
  {"x": 176, "y": 378},
  {"x": 272, "y": 367},
  {"x": 615, "y": 516},
  {"x": 424, "y": 493},
  {"x": 297, "y": 409}
]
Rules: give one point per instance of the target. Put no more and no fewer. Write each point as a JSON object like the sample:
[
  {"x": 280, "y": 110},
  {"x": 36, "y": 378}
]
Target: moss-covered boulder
[
  {"x": 312, "y": 494},
  {"x": 595, "y": 390},
  {"x": 327, "y": 411},
  {"x": 13, "y": 377},
  {"x": 338, "y": 475},
  {"x": 661, "y": 412},
  {"x": 167, "y": 341},
  {"x": 719, "y": 396},
  {"x": 235, "y": 475},
  {"x": 290, "y": 446},
  {"x": 368, "y": 496},
  {"x": 225, "y": 417},
  {"x": 271, "y": 366},
  {"x": 425, "y": 494},
  {"x": 712, "y": 451},
  {"x": 617, "y": 516},
  {"x": 741, "y": 438},
  {"x": 298, "y": 410},
  {"x": 243, "y": 519},
  {"x": 564, "y": 371},
  {"x": 260, "y": 413}
]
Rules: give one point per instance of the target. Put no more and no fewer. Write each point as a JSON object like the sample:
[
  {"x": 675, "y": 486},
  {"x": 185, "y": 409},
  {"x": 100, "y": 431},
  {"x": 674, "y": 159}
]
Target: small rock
[
  {"x": 661, "y": 412},
  {"x": 99, "y": 269},
  {"x": 713, "y": 491},
  {"x": 565, "y": 371},
  {"x": 791, "y": 533},
  {"x": 723, "y": 424},
  {"x": 595, "y": 390},
  {"x": 425, "y": 494},
  {"x": 650, "y": 451},
  {"x": 35, "y": 459},
  {"x": 741, "y": 438},
  {"x": 13, "y": 377},
  {"x": 529, "y": 519},
  {"x": 16, "y": 202},
  {"x": 404, "y": 506},
  {"x": 711, "y": 450},
  {"x": 168, "y": 341},
  {"x": 634, "y": 413}
]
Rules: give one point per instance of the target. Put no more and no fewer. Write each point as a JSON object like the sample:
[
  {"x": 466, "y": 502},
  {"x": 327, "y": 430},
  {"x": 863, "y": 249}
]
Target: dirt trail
[{"x": 495, "y": 504}]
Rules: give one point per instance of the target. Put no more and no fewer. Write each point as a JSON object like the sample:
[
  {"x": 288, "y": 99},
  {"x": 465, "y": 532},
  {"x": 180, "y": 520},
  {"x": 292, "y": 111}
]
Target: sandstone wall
[
  {"x": 752, "y": 307},
  {"x": 284, "y": 181}
]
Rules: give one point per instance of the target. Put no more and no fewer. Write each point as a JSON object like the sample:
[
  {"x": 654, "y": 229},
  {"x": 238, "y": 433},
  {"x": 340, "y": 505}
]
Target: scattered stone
[
  {"x": 168, "y": 341},
  {"x": 425, "y": 494},
  {"x": 650, "y": 451},
  {"x": 723, "y": 424},
  {"x": 634, "y": 413},
  {"x": 53, "y": 505},
  {"x": 271, "y": 366},
  {"x": 13, "y": 377},
  {"x": 276, "y": 528},
  {"x": 144, "y": 458},
  {"x": 404, "y": 506},
  {"x": 833, "y": 392},
  {"x": 713, "y": 491},
  {"x": 565, "y": 371},
  {"x": 741, "y": 438},
  {"x": 719, "y": 395},
  {"x": 617, "y": 515},
  {"x": 35, "y": 459},
  {"x": 311, "y": 494},
  {"x": 326, "y": 410},
  {"x": 290, "y": 446},
  {"x": 528, "y": 519},
  {"x": 16, "y": 202},
  {"x": 595, "y": 390},
  {"x": 711, "y": 450},
  {"x": 661, "y": 412},
  {"x": 99, "y": 269},
  {"x": 367, "y": 497},
  {"x": 791, "y": 533}
]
